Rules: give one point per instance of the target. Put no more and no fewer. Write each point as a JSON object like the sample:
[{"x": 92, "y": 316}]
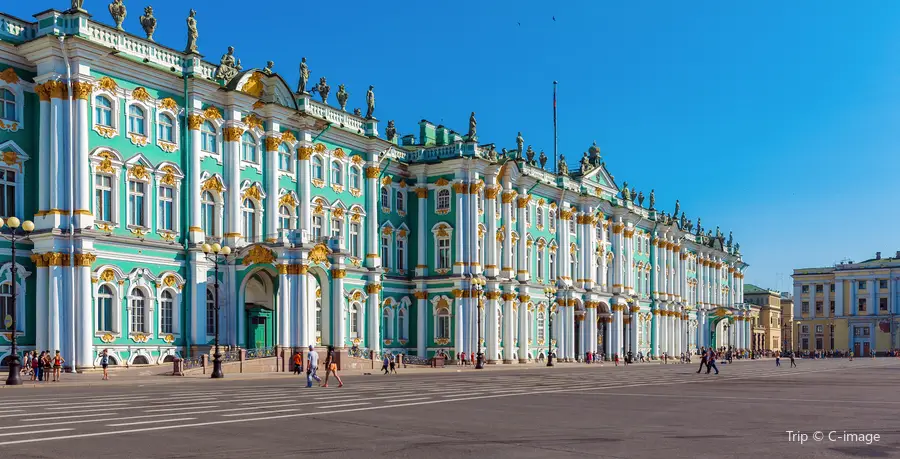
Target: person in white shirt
[{"x": 312, "y": 364}]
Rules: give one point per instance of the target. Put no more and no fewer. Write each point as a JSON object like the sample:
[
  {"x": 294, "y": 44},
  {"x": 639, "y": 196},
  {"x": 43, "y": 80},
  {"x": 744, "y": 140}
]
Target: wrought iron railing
[
  {"x": 260, "y": 353},
  {"x": 193, "y": 362}
]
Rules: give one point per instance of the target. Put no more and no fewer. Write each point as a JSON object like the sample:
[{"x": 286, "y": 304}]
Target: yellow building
[
  {"x": 787, "y": 323},
  {"x": 850, "y": 306},
  {"x": 767, "y": 322}
]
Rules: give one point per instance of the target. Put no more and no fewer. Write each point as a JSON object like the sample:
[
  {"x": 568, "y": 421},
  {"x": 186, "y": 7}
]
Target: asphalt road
[{"x": 653, "y": 411}]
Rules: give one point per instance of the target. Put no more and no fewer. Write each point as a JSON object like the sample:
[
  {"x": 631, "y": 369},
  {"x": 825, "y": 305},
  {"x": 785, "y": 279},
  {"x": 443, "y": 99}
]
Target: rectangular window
[
  {"x": 337, "y": 228},
  {"x": 882, "y": 284},
  {"x": 862, "y": 305},
  {"x": 166, "y": 208},
  {"x": 882, "y": 304},
  {"x": 103, "y": 198},
  {"x": 354, "y": 240},
  {"x": 540, "y": 264},
  {"x": 818, "y": 307},
  {"x": 832, "y": 307},
  {"x": 385, "y": 252},
  {"x": 7, "y": 193},
  {"x": 401, "y": 254},
  {"x": 832, "y": 287},
  {"x": 551, "y": 222},
  {"x": 820, "y": 328},
  {"x": 804, "y": 289},
  {"x": 804, "y": 307},
  {"x": 804, "y": 329},
  {"x": 284, "y": 160},
  {"x": 528, "y": 216},
  {"x": 444, "y": 253},
  {"x": 861, "y": 285},
  {"x": 819, "y": 343},
  {"x": 317, "y": 227},
  {"x": 820, "y": 288},
  {"x": 136, "y": 202}
]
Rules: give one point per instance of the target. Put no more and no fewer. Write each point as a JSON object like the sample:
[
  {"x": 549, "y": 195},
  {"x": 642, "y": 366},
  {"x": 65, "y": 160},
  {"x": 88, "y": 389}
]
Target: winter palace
[
  {"x": 129, "y": 155},
  {"x": 848, "y": 306}
]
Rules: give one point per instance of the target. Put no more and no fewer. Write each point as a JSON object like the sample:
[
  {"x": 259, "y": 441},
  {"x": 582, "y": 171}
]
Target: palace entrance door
[{"x": 260, "y": 329}]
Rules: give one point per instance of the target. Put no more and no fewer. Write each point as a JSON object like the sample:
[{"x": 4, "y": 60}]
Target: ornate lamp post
[
  {"x": 478, "y": 288},
  {"x": 217, "y": 255},
  {"x": 550, "y": 292},
  {"x": 12, "y": 232}
]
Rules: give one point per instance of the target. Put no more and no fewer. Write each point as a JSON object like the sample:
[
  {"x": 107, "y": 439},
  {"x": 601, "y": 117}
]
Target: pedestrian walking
[
  {"x": 331, "y": 368},
  {"x": 793, "y": 363},
  {"x": 711, "y": 362},
  {"x": 385, "y": 363},
  {"x": 393, "y": 365},
  {"x": 777, "y": 359},
  {"x": 35, "y": 365},
  {"x": 58, "y": 362},
  {"x": 703, "y": 359},
  {"x": 297, "y": 361},
  {"x": 312, "y": 364},
  {"x": 617, "y": 359},
  {"x": 104, "y": 363}
]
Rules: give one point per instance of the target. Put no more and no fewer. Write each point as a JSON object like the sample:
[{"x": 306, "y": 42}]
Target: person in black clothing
[
  {"x": 703, "y": 361},
  {"x": 793, "y": 364}
]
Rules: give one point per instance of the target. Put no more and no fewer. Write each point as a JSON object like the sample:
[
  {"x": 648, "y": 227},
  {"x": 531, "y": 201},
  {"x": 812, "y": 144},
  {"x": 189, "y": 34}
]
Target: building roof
[{"x": 750, "y": 289}]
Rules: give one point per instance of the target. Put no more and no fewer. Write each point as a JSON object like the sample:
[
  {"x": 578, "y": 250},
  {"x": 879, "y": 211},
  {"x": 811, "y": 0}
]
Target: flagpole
[{"x": 555, "y": 134}]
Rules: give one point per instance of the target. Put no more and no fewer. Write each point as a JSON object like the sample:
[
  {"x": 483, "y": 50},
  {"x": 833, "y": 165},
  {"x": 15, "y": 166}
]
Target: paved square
[{"x": 567, "y": 411}]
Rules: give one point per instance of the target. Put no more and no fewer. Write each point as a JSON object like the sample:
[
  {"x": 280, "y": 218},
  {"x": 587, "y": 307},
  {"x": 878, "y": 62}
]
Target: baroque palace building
[
  {"x": 129, "y": 155},
  {"x": 848, "y": 307}
]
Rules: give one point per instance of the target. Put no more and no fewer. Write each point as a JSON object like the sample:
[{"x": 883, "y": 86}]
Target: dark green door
[{"x": 259, "y": 327}]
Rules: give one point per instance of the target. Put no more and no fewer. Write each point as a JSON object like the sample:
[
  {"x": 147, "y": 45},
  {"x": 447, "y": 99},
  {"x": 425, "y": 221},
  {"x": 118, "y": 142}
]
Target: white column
[
  {"x": 84, "y": 218},
  {"x": 270, "y": 169},
  {"x": 570, "y": 330},
  {"x": 492, "y": 346},
  {"x": 618, "y": 261},
  {"x": 423, "y": 230},
  {"x": 84, "y": 332},
  {"x": 491, "y": 262},
  {"x": 523, "y": 326},
  {"x": 458, "y": 307},
  {"x": 338, "y": 317},
  {"x": 41, "y": 312},
  {"x": 232, "y": 155},
  {"x": 838, "y": 300},
  {"x": 617, "y": 329},
  {"x": 603, "y": 263},
  {"x": 44, "y": 154},
  {"x": 303, "y": 335},
  {"x": 635, "y": 322},
  {"x": 507, "y": 270},
  {"x": 196, "y": 230},
  {"x": 284, "y": 305},
  {"x": 460, "y": 190},
  {"x": 508, "y": 334},
  {"x": 373, "y": 259},
  {"x": 521, "y": 208},
  {"x": 304, "y": 151},
  {"x": 373, "y": 317},
  {"x": 421, "y": 322},
  {"x": 56, "y": 293}
]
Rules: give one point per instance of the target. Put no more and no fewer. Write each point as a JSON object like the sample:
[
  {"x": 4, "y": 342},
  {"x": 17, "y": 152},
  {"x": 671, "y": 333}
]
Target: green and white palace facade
[{"x": 129, "y": 155}]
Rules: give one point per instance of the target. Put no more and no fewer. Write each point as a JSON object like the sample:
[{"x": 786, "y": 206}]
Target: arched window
[
  {"x": 443, "y": 261},
  {"x": 210, "y": 311},
  {"x": 317, "y": 168},
  {"x": 400, "y": 201},
  {"x": 165, "y": 130},
  {"x": 401, "y": 254},
  {"x": 208, "y": 137},
  {"x": 551, "y": 223},
  {"x": 355, "y": 178},
  {"x": 284, "y": 218},
  {"x": 443, "y": 200},
  {"x": 337, "y": 173},
  {"x": 6, "y": 303},
  {"x": 541, "y": 327},
  {"x": 138, "y": 309},
  {"x": 539, "y": 214},
  {"x": 166, "y": 312},
  {"x": 442, "y": 331},
  {"x": 248, "y": 148},
  {"x": 573, "y": 262},
  {"x": 104, "y": 309},
  {"x": 402, "y": 324},
  {"x": 136, "y": 119},
  {"x": 208, "y": 213},
  {"x": 479, "y": 250},
  {"x": 387, "y": 326},
  {"x": 385, "y": 198},
  {"x": 284, "y": 158},
  {"x": 354, "y": 321},
  {"x": 7, "y": 105},
  {"x": 102, "y": 111},
  {"x": 527, "y": 215},
  {"x": 249, "y": 211}
]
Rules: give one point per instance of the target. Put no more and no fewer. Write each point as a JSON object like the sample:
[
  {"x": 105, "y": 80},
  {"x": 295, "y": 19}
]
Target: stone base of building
[{"x": 507, "y": 361}]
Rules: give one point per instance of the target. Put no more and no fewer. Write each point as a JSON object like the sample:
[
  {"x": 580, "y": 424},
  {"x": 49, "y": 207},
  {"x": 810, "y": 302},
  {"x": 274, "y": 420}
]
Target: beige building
[
  {"x": 787, "y": 323},
  {"x": 767, "y": 323}
]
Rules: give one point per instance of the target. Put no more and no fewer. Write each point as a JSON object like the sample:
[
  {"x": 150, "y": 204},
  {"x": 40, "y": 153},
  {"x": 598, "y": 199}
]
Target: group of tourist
[
  {"x": 390, "y": 363},
  {"x": 43, "y": 366},
  {"x": 312, "y": 366}
]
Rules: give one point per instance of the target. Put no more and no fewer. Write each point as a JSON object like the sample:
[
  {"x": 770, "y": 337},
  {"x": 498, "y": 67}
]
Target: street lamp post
[
  {"x": 13, "y": 233},
  {"x": 478, "y": 288},
  {"x": 216, "y": 254},
  {"x": 550, "y": 292}
]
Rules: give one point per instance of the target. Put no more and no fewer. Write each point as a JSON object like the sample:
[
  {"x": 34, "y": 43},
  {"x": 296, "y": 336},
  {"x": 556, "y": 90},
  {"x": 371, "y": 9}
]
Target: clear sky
[{"x": 777, "y": 120}]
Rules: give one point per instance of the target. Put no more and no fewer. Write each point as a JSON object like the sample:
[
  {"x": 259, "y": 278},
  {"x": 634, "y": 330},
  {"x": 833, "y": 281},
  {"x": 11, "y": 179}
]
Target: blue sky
[{"x": 777, "y": 120}]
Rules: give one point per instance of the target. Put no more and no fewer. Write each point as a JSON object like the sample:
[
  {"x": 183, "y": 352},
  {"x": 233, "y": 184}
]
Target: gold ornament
[
  {"x": 140, "y": 94},
  {"x": 253, "y": 122},
  {"x": 138, "y": 172},
  {"x": 319, "y": 254},
  {"x": 212, "y": 113},
  {"x": 213, "y": 184},
  {"x": 254, "y": 85},
  {"x": 259, "y": 254}
]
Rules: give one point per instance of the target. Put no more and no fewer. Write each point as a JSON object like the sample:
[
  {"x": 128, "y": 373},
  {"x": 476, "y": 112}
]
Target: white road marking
[
  {"x": 326, "y": 407},
  {"x": 162, "y": 410},
  {"x": 33, "y": 432},
  {"x": 34, "y": 417},
  {"x": 149, "y": 422}
]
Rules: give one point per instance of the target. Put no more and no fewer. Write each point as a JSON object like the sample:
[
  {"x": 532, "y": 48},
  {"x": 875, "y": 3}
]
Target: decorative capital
[
  {"x": 422, "y": 192},
  {"x": 508, "y": 296},
  {"x": 338, "y": 273},
  {"x": 304, "y": 152},
  {"x": 491, "y": 192},
  {"x": 374, "y": 288},
  {"x": 494, "y": 295},
  {"x": 82, "y": 90},
  {"x": 508, "y": 196},
  {"x": 522, "y": 202},
  {"x": 194, "y": 122},
  {"x": 233, "y": 133},
  {"x": 85, "y": 259},
  {"x": 272, "y": 143},
  {"x": 372, "y": 172},
  {"x": 421, "y": 294},
  {"x": 38, "y": 261}
]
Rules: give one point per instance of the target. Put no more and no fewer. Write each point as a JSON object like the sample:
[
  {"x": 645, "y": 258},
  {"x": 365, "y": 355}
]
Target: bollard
[{"x": 179, "y": 368}]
